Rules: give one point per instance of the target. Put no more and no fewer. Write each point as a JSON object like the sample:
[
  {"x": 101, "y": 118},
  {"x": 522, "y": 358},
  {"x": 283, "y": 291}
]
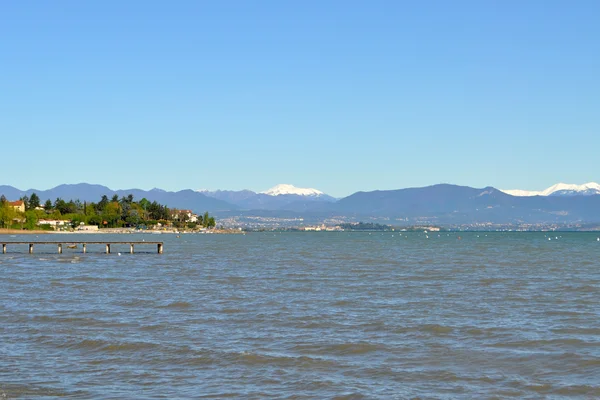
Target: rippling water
[{"x": 314, "y": 315}]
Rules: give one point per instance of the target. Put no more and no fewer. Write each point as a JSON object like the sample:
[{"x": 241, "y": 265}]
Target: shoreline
[{"x": 4, "y": 231}]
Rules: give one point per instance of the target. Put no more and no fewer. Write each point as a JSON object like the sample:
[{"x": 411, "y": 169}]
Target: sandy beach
[{"x": 22, "y": 232}]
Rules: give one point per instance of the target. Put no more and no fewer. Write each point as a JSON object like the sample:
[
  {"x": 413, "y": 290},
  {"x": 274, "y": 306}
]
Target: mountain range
[
  {"x": 560, "y": 189},
  {"x": 437, "y": 204},
  {"x": 279, "y": 197}
]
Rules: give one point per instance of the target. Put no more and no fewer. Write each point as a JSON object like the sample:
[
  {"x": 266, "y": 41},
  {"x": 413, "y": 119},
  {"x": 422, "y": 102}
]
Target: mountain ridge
[{"x": 436, "y": 204}]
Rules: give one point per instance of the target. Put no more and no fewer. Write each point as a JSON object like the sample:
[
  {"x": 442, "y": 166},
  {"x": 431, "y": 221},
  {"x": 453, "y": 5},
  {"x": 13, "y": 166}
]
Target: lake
[{"x": 304, "y": 315}]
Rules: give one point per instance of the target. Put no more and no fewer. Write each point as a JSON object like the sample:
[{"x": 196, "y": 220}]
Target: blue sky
[{"x": 341, "y": 96}]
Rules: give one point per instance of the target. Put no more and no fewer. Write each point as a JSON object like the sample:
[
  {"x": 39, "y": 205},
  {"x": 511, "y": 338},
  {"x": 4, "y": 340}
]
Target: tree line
[{"x": 107, "y": 213}]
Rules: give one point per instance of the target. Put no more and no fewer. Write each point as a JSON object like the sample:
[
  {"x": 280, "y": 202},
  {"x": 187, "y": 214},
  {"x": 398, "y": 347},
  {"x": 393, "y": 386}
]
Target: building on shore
[
  {"x": 88, "y": 228},
  {"x": 54, "y": 223},
  {"x": 18, "y": 205}
]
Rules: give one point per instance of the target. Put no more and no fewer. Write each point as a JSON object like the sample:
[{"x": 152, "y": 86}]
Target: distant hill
[
  {"x": 450, "y": 204},
  {"x": 184, "y": 199},
  {"x": 438, "y": 204}
]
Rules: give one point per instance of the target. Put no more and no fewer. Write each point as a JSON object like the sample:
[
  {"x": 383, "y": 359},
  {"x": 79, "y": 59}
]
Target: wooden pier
[{"x": 159, "y": 245}]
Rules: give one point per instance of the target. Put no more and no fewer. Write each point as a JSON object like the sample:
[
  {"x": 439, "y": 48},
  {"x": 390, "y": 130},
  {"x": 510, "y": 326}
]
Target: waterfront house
[{"x": 18, "y": 205}]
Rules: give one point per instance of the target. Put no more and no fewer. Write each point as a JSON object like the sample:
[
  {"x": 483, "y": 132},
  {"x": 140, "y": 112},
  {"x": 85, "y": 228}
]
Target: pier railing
[{"x": 159, "y": 245}]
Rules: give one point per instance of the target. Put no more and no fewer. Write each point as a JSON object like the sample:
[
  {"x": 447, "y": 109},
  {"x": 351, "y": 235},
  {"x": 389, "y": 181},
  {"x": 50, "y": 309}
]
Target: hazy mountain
[
  {"x": 11, "y": 193},
  {"x": 459, "y": 204},
  {"x": 230, "y": 196},
  {"x": 280, "y": 197},
  {"x": 560, "y": 189},
  {"x": 431, "y": 200}
]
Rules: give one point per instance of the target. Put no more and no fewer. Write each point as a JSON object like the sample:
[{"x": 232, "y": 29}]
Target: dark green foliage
[
  {"x": 102, "y": 204},
  {"x": 113, "y": 213},
  {"x": 34, "y": 201}
]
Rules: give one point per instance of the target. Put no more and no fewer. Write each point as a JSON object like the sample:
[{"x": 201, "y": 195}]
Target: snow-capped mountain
[
  {"x": 280, "y": 197},
  {"x": 284, "y": 188},
  {"x": 560, "y": 189}
]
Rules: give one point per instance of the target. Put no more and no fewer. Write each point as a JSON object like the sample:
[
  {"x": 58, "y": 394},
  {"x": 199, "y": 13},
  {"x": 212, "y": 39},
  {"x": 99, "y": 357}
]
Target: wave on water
[
  {"x": 549, "y": 343},
  {"x": 347, "y": 349},
  {"x": 178, "y": 304},
  {"x": 434, "y": 329},
  {"x": 35, "y": 391},
  {"x": 253, "y": 358},
  {"x": 100, "y": 345}
]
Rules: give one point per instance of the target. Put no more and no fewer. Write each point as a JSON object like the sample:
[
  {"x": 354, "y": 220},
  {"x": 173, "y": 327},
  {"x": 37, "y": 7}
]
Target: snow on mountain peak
[
  {"x": 558, "y": 189},
  {"x": 284, "y": 188}
]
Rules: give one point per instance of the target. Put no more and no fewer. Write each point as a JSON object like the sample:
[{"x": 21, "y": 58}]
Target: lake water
[{"x": 304, "y": 315}]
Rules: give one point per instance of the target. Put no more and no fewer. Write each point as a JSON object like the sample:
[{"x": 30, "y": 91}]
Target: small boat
[{"x": 72, "y": 246}]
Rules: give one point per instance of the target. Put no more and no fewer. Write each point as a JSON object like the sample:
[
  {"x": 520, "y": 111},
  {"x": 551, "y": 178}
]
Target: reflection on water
[{"x": 314, "y": 315}]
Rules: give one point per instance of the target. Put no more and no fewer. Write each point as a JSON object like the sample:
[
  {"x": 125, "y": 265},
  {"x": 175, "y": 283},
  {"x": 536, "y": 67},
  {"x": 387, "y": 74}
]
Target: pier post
[
  {"x": 159, "y": 248},
  {"x": 60, "y": 248},
  {"x": 30, "y": 248},
  {"x": 131, "y": 247},
  {"x": 107, "y": 248},
  {"x": 84, "y": 248},
  {"x": 3, "y": 248}
]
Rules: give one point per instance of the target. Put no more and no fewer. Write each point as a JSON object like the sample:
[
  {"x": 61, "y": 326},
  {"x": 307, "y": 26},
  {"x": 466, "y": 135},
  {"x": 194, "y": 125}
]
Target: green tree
[
  {"x": 143, "y": 204},
  {"x": 31, "y": 219},
  {"x": 34, "y": 201},
  {"x": 48, "y": 205},
  {"x": 7, "y": 214},
  {"x": 55, "y": 214},
  {"x": 59, "y": 204},
  {"x": 95, "y": 220},
  {"x": 112, "y": 214},
  {"x": 64, "y": 207},
  {"x": 71, "y": 207},
  {"x": 102, "y": 204},
  {"x": 211, "y": 222},
  {"x": 133, "y": 218},
  {"x": 25, "y": 201},
  {"x": 127, "y": 199}
]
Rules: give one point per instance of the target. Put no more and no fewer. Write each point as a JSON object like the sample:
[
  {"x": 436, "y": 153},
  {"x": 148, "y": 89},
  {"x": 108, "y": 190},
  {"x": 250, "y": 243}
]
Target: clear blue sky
[{"x": 341, "y": 96}]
